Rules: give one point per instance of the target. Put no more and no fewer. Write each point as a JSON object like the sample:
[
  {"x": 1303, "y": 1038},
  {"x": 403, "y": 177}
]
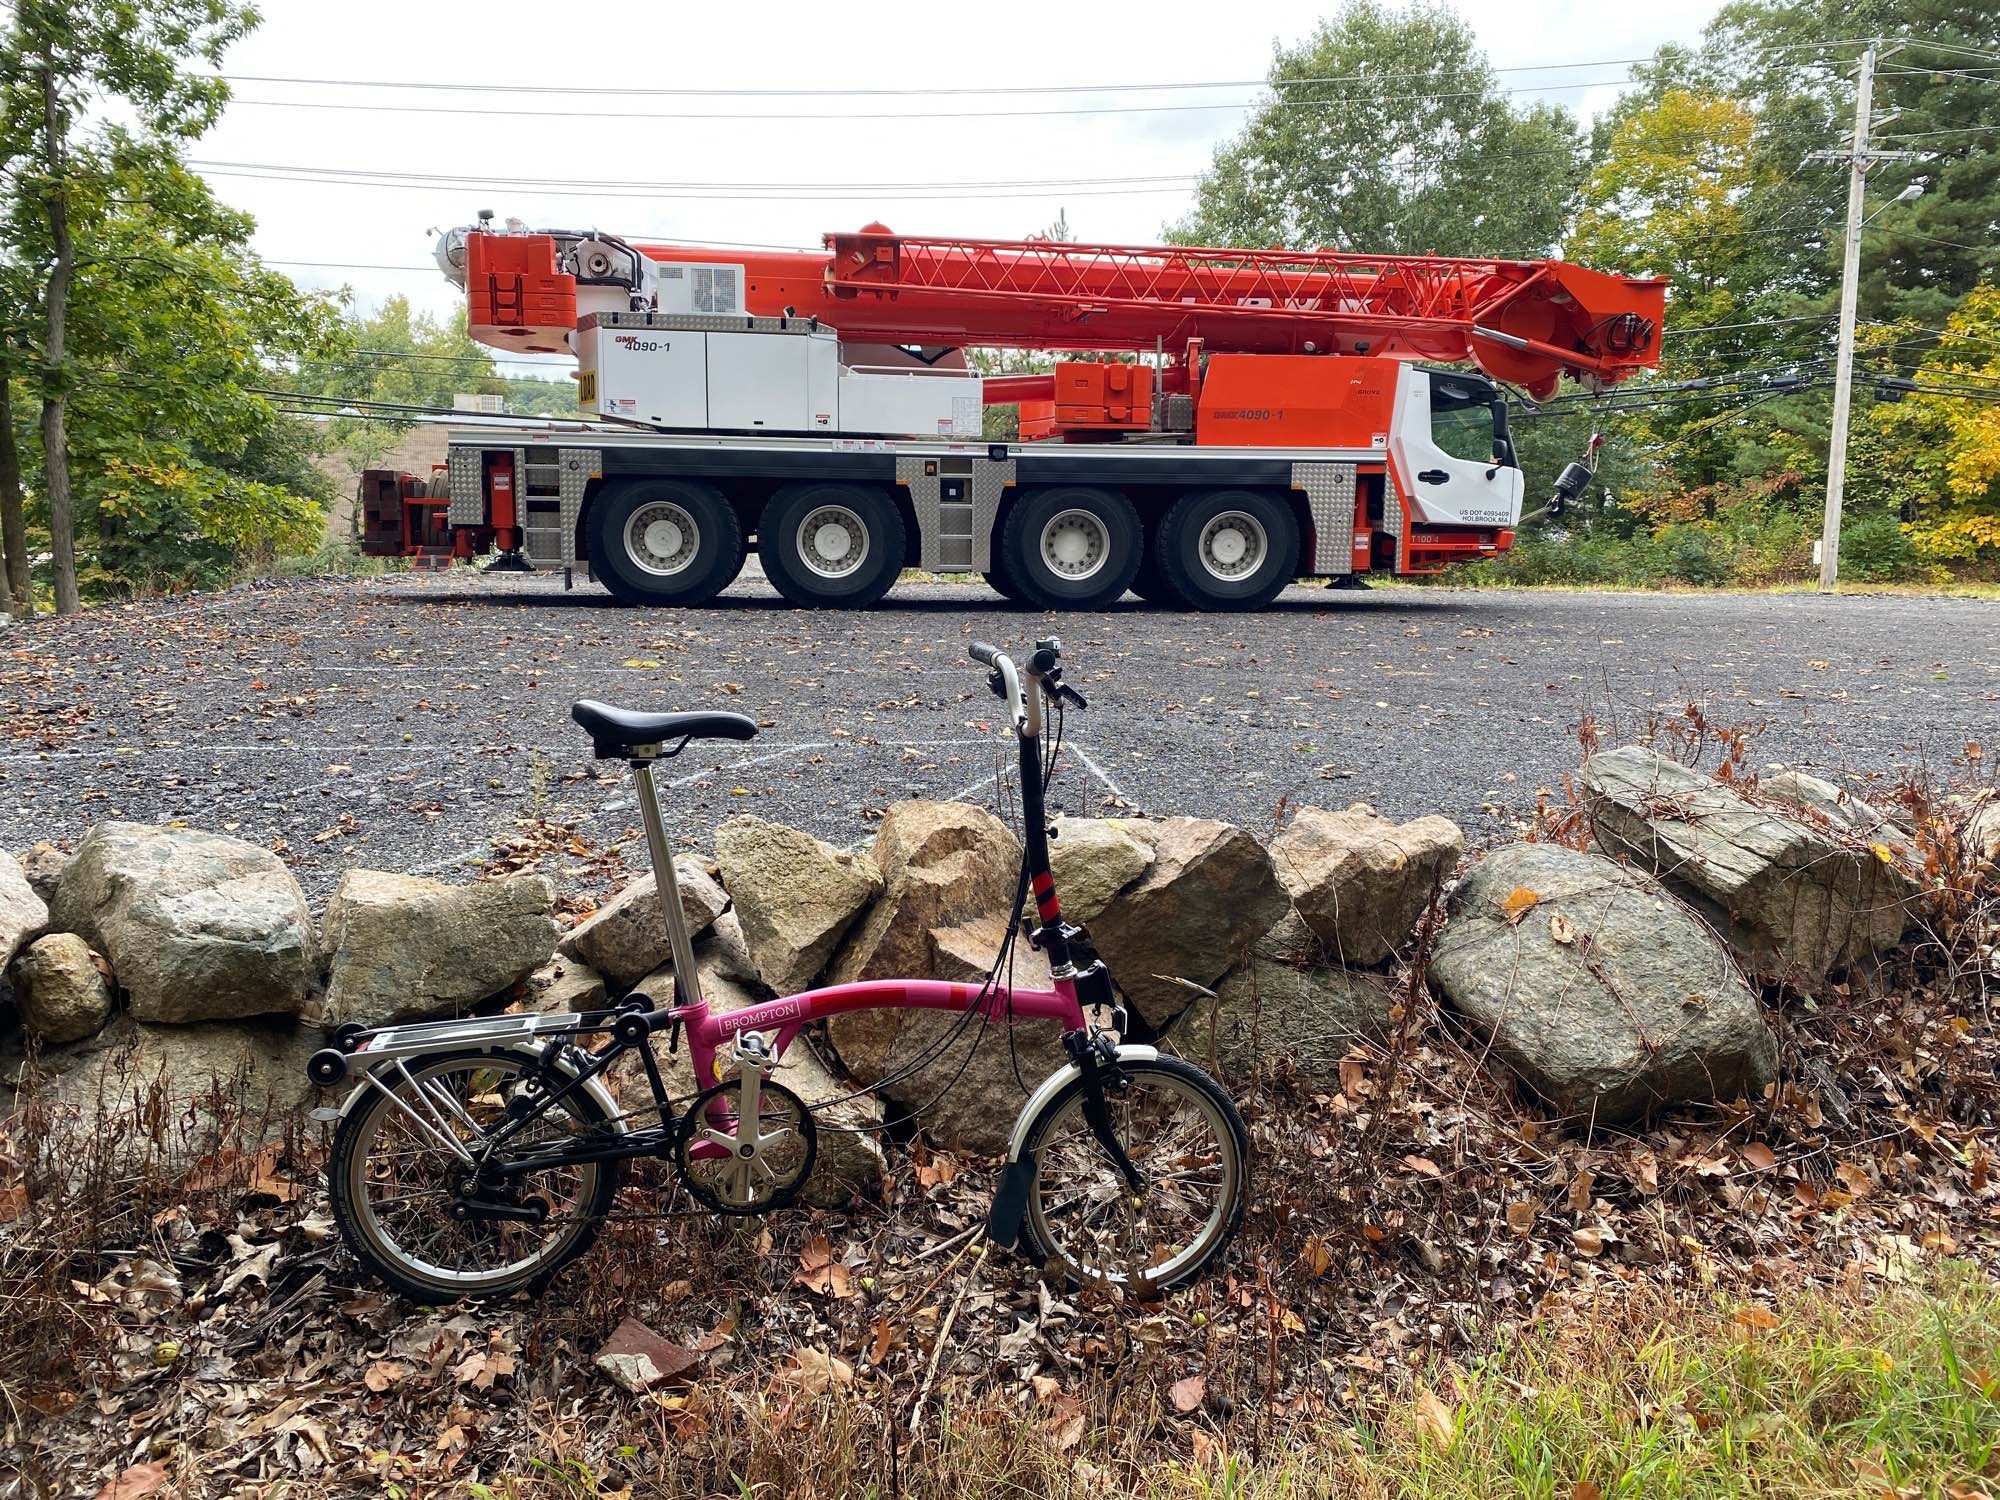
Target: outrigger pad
[{"x": 1010, "y": 1202}]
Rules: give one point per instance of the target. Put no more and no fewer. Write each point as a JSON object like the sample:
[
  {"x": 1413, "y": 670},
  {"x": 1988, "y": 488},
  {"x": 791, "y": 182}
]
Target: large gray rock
[
  {"x": 1982, "y": 835},
  {"x": 44, "y": 864},
  {"x": 971, "y": 1087},
  {"x": 1206, "y": 897},
  {"x": 941, "y": 863},
  {"x": 197, "y": 926},
  {"x": 60, "y": 989},
  {"x": 1598, "y": 989},
  {"x": 850, "y": 1159},
  {"x": 1839, "y": 808},
  {"x": 137, "y": 1091},
  {"x": 401, "y": 948},
  {"x": 23, "y": 914},
  {"x": 1361, "y": 881},
  {"x": 1091, "y": 861},
  {"x": 626, "y": 938},
  {"x": 565, "y": 986},
  {"x": 1307, "y": 1017},
  {"x": 1793, "y": 897},
  {"x": 794, "y": 896}
]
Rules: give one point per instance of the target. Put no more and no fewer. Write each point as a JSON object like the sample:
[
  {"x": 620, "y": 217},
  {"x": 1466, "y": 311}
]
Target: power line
[
  {"x": 946, "y": 114},
  {"x": 471, "y": 185},
  {"x": 444, "y": 86},
  {"x": 663, "y": 186}
]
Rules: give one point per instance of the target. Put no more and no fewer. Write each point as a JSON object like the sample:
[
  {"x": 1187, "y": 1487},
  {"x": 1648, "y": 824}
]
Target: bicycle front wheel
[
  {"x": 402, "y": 1162},
  {"x": 1187, "y": 1141}
]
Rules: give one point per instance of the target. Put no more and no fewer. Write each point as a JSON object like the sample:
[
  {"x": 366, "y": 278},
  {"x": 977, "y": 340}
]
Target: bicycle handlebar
[{"x": 985, "y": 655}]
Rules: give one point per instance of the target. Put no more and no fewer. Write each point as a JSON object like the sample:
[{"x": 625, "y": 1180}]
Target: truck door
[{"x": 1452, "y": 452}]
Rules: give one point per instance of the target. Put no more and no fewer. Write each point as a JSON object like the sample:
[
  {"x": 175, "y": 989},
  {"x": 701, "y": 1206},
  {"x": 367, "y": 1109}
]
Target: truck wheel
[
  {"x": 1002, "y": 585},
  {"x": 831, "y": 546},
  {"x": 1228, "y": 549},
  {"x": 664, "y": 541},
  {"x": 1071, "y": 548}
]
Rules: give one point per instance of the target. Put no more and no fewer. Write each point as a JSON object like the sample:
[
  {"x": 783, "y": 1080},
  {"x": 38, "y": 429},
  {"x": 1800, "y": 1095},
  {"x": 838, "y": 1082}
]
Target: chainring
[{"x": 729, "y": 1185}]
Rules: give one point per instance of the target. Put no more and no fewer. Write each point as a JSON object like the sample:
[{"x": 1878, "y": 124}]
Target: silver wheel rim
[
  {"x": 1075, "y": 545},
  {"x": 399, "y": 1182},
  {"x": 1233, "y": 546},
  {"x": 1180, "y": 1141},
  {"x": 832, "y": 542},
  {"x": 662, "y": 539}
]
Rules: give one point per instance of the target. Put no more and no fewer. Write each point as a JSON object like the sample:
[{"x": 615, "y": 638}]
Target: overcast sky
[{"x": 828, "y": 165}]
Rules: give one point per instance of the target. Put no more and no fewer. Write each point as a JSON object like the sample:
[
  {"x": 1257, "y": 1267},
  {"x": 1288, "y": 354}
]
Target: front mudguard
[{"x": 1010, "y": 1200}]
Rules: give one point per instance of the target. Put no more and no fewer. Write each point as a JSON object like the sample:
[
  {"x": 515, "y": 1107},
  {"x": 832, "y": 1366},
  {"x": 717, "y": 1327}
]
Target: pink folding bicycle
[{"x": 479, "y": 1156}]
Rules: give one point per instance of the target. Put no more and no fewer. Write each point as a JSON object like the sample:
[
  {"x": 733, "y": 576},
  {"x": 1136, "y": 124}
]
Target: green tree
[
  {"x": 173, "y": 333},
  {"x": 1387, "y": 132},
  {"x": 64, "y": 60}
]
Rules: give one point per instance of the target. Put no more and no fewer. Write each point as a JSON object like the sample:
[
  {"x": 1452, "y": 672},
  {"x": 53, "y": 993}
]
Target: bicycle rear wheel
[
  {"x": 1187, "y": 1141},
  {"x": 396, "y": 1174}
]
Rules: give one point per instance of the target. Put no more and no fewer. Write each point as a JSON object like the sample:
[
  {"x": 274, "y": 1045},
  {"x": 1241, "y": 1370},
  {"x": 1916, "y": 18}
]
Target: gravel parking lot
[{"x": 407, "y": 722}]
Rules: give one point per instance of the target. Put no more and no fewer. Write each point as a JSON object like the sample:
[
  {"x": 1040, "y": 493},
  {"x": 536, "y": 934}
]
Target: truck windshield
[{"x": 1469, "y": 421}]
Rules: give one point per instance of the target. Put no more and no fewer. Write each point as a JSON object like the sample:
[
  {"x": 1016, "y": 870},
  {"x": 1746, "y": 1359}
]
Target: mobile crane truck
[{"x": 1250, "y": 416}]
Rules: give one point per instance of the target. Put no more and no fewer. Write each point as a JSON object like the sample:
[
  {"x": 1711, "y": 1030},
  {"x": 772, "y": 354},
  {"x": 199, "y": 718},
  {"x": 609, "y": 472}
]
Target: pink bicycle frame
[{"x": 708, "y": 1030}]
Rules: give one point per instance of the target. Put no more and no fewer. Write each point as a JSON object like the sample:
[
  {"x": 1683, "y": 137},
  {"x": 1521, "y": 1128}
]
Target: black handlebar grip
[{"x": 985, "y": 655}]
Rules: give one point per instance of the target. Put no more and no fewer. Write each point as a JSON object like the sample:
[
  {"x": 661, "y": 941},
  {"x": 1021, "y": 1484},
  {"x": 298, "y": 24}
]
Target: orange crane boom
[{"x": 1527, "y": 322}]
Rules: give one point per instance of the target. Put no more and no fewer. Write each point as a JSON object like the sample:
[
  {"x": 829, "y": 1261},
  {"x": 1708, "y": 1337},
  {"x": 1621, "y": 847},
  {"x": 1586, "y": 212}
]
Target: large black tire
[
  {"x": 663, "y": 541},
  {"x": 831, "y": 546},
  {"x": 1004, "y": 586},
  {"x": 1070, "y": 547},
  {"x": 347, "y": 1172},
  {"x": 1164, "y": 1075},
  {"x": 1228, "y": 549}
]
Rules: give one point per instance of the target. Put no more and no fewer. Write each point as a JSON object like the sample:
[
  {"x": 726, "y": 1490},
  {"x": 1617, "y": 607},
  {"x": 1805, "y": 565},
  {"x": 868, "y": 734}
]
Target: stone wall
[{"x": 1613, "y": 981}]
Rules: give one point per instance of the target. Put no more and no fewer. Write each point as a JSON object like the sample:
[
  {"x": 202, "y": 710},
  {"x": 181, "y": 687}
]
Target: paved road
[{"x": 405, "y": 722}]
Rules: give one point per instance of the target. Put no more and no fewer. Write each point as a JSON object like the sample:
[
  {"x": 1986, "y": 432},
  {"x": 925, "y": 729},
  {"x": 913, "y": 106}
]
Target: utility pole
[
  {"x": 1859, "y": 158},
  {"x": 1843, "y": 369}
]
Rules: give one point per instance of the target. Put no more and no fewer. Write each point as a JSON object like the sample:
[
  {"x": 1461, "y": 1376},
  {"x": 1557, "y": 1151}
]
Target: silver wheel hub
[
  {"x": 1233, "y": 546},
  {"x": 833, "y": 542},
  {"x": 662, "y": 539},
  {"x": 1074, "y": 545}
]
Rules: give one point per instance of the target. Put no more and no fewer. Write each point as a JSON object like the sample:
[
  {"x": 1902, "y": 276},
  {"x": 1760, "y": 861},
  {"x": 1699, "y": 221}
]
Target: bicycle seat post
[{"x": 687, "y": 983}]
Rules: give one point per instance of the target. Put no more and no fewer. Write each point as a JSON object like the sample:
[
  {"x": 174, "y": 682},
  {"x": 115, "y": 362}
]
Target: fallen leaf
[
  {"x": 1581, "y": 1187},
  {"x": 1853, "y": 1179},
  {"x": 1751, "y": 1315},
  {"x": 1317, "y": 1255},
  {"x": 1520, "y": 901},
  {"x": 1759, "y": 1157},
  {"x": 1589, "y": 1242},
  {"x": 137, "y": 1481},
  {"x": 814, "y": 1371},
  {"x": 820, "y": 1272},
  {"x": 1436, "y": 1417},
  {"x": 1423, "y": 1166},
  {"x": 1583, "y": 1489},
  {"x": 1561, "y": 928},
  {"x": 383, "y": 1374},
  {"x": 1187, "y": 1393},
  {"x": 1521, "y": 1218}
]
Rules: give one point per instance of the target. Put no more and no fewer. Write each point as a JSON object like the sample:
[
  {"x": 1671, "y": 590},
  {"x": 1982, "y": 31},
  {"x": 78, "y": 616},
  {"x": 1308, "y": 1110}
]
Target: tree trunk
[
  {"x": 55, "y": 435},
  {"x": 19, "y": 599}
]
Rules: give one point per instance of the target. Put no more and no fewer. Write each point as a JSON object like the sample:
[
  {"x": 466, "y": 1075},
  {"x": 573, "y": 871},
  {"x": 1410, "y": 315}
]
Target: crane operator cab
[{"x": 1450, "y": 440}]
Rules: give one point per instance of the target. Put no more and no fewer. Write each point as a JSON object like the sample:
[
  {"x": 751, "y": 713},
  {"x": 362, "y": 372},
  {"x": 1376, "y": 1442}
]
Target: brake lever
[{"x": 1073, "y": 696}]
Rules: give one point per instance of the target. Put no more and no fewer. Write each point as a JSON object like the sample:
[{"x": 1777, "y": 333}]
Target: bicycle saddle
[{"x": 616, "y": 732}]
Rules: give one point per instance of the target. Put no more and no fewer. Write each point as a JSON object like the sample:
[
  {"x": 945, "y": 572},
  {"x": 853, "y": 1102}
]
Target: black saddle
[{"x": 616, "y": 732}]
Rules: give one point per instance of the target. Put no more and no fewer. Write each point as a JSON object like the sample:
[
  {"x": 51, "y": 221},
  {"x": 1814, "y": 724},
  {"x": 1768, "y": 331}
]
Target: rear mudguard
[{"x": 529, "y": 1056}]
